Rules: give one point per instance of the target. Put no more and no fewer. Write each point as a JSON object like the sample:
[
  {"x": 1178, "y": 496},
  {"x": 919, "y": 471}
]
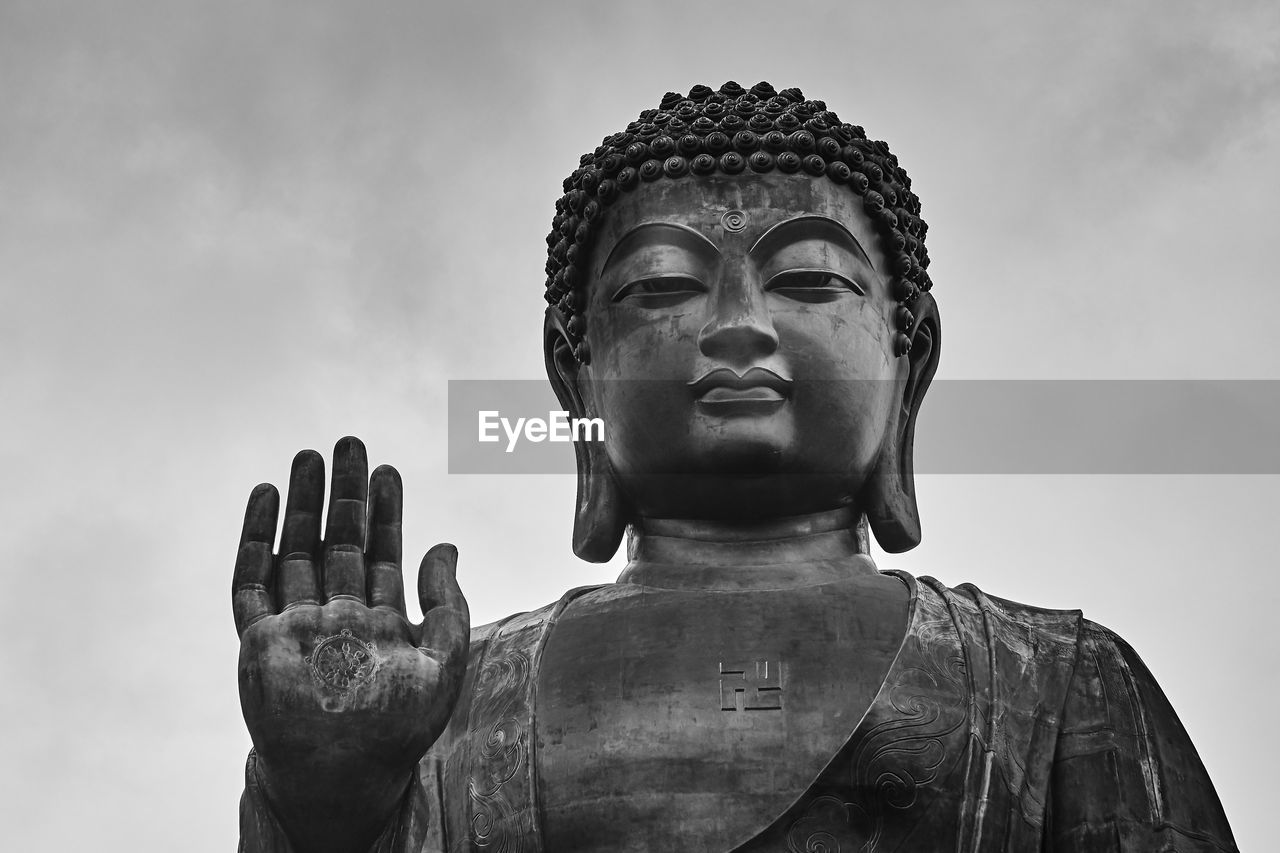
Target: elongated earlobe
[
  {"x": 601, "y": 516},
  {"x": 889, "y": 497}
]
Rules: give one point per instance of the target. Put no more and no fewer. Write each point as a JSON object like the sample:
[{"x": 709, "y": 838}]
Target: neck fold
[{"x": 770, "y": 554}]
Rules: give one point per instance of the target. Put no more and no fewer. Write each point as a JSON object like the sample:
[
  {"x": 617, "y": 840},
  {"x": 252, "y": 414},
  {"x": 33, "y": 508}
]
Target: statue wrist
[{"x": 316, "y": 813}]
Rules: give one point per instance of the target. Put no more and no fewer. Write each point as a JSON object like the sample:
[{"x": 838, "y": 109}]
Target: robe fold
[{"x": 999, "y": 727}]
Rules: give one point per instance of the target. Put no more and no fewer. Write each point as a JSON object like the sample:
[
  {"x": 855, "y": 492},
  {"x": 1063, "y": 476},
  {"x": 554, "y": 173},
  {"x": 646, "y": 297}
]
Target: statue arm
[{"x": 1126, "y": 776}]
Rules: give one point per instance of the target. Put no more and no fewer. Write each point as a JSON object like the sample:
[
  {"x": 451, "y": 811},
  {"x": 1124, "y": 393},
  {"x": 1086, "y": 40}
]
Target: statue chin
[
  {"x": 743, "y": 447},
  {"x": 744, "y": 495}
]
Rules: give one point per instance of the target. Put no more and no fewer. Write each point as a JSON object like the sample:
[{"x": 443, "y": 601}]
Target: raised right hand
[{"x": 341, "y": 693}]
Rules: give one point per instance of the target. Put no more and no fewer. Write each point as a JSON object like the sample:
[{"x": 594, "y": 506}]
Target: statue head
[{"x": 738, "y": 289}]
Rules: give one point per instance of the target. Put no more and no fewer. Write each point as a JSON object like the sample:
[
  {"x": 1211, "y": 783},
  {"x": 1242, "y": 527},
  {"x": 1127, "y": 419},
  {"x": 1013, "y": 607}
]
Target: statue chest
[{"x": 687, "y": 720}]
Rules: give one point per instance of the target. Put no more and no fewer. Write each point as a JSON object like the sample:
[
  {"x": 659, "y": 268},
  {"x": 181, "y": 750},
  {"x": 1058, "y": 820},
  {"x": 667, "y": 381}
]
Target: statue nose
[{"x": 741, "y": 329}]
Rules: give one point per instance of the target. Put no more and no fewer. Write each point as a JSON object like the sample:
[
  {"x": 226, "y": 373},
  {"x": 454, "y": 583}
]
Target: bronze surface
[{"x": 751, "y": 682}]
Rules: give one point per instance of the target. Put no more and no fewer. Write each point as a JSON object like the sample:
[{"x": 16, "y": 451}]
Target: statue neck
[{"x": 795, "y": 551}]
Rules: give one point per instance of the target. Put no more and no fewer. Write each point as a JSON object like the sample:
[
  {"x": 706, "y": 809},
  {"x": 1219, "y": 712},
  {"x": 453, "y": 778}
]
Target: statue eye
[
  {"x": 811, "y": 285},
  {"x": 661, "y": 290}
]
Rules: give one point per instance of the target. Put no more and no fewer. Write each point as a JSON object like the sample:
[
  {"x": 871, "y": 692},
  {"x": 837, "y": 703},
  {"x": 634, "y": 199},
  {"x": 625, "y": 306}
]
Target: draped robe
[{"x": 998, "y": 727}]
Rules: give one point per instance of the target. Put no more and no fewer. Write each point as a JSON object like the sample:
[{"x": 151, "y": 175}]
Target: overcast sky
[{"x": 232, "y": 230}]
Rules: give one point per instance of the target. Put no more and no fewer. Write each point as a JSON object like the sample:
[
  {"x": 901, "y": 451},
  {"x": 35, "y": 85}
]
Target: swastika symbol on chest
[{"x": 751, "y": 686}]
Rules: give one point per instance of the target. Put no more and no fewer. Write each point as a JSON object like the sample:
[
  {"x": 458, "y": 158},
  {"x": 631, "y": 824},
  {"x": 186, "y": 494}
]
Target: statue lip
[{"x": 722, "y": 386}]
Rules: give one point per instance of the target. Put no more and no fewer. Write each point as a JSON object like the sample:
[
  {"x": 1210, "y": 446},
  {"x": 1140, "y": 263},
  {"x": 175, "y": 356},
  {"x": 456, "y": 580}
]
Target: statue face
[{"x": 741, "y": 346}]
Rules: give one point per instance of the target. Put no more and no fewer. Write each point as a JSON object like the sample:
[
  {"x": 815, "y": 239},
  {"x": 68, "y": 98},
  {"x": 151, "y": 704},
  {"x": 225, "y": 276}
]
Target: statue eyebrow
[
  {"x": 703, "y": 244},
  {"x": 775, "y": 233}
]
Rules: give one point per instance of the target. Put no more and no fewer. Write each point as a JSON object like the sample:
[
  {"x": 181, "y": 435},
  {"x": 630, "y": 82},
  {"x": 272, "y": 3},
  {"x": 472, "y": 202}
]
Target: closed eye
[
  {"x": 660, "y": 291},
  {"x": 812, "y": 285}
]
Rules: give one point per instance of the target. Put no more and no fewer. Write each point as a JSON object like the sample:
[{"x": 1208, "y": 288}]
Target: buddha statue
[{"x": 738, "y": 287}]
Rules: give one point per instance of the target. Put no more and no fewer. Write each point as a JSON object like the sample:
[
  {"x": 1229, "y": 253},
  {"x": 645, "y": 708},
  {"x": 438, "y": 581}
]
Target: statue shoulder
[
  {"x": 1121, "y": 742},
  {"x": 1120, "y": 762},
  {"x": 1107, "y": 666},
  {"x": 1059, "y": 624},
  {"x": 1041, "y": 627}
]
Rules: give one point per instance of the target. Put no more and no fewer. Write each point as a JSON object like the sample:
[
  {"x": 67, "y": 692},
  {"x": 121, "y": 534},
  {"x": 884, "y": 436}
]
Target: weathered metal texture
[
  {"x": 751, "y": 682},
  {"x": 993, "y": 726},
  {"x": 986, "y": 726}
]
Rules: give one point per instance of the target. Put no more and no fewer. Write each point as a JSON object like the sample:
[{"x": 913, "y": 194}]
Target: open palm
[{"x": 341, "y": 693}]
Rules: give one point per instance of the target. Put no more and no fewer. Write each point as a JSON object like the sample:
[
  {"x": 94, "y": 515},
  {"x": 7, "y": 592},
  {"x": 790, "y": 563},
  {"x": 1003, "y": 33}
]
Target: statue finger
[
  {"x": 300, "y": 533},
  {"x": 386, "y": 580},
  {"x": 342, "y": 573},
  {"x": 251, "y": 597},
  {"x": 446, "y": 619},
  {"x": 347, "y": 496},
  {"x": 386, "y": 587},
  {"x": 386, "y": 506},
  {"x": 297, "y": 581},
  {"x": 437, "y": 577}
]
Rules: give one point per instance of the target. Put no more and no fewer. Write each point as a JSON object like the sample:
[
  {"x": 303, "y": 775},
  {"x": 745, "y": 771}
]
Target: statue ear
[
  {"x": 889, "y": 498},
  {"x": 601, "y": 516}
]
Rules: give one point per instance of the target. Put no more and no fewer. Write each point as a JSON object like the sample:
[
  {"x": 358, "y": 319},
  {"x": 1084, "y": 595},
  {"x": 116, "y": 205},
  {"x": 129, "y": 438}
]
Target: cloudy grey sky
[{"x": 232, "y": 230}]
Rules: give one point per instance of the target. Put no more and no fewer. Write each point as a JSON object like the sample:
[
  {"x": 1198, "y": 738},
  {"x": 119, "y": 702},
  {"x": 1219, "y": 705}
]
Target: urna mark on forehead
[
  {"x": 735, "y": 226},
  {"x": 733, "y": 131},
  {"x": 726, "y": 216}
]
